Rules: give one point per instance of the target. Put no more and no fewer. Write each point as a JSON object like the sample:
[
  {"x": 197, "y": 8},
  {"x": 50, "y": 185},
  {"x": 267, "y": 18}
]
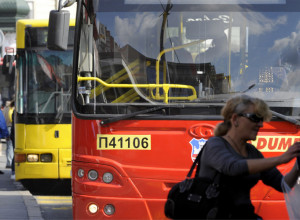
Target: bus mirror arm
[{"x": 67, "y": 3}]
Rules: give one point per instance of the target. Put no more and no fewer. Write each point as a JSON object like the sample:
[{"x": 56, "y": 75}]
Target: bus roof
[{"x": 23, "y": 23}]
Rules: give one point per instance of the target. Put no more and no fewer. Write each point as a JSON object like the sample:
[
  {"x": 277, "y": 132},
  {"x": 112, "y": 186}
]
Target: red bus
[{"x": 149, "y": 81}]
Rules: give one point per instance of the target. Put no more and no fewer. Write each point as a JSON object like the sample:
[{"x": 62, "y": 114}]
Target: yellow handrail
[
  {"x": 165, "y": 87},
  {"x": 190, "y": 98}
]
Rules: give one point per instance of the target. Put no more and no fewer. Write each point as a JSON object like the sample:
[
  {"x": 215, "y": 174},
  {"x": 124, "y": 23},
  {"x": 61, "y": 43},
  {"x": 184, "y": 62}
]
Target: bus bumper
[{"x": 95, "y": 207}]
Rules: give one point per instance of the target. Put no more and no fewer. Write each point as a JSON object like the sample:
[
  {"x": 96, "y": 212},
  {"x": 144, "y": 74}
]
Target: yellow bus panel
[{"x": 36, "y": 141}]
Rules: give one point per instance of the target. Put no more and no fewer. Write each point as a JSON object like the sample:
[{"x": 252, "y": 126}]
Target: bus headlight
[
  {"x": 32, "y": 157},
  {"x": 92, "y": 175},
  {"x": 46, "y": 157},
  {"x": 107, "y": 177},
  {"x": 109, "y": 209},
  {"x": 80, "y": 173},
  {"x": 93, "y": 208}
]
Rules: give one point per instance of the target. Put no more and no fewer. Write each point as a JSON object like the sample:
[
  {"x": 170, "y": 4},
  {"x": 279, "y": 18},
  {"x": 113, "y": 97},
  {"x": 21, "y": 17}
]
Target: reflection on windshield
[
  {"x": 172, "y": 56},
  {"x": 49, "y": 82}
]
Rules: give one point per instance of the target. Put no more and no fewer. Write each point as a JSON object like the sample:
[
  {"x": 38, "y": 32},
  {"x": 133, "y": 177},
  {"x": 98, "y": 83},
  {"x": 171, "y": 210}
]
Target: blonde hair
[{"x": 237, "y": 105}]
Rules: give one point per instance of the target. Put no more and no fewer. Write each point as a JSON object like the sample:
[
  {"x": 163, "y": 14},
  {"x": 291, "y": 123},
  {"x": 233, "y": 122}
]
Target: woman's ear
[{"x": 234, "y": 120}]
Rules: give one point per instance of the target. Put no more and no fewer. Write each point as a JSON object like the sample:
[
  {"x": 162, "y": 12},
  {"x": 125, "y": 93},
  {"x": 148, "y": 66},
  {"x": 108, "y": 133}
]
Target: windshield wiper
[
  {"x": 250, "y": 87},
  {"x": 286, "y": 118},
  {"x": 156, "y": 108},
  {"x": 130, "y": 115}
]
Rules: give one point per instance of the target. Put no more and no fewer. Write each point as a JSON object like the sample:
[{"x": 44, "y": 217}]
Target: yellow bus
[{"x": 43, "y": 107}]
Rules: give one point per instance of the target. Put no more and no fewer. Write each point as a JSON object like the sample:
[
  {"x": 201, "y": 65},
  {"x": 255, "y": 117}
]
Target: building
[
  {"x": 13, "y": 10},
  {"x": 10, "y": 12}
]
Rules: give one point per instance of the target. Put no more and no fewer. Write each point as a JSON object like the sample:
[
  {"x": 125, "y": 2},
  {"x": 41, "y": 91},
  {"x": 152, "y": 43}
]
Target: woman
[{"x": 241, "y": 165}]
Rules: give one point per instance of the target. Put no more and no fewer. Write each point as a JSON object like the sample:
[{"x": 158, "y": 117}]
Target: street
[
  {"x": 52, "y": 204},
  {"x": 55, "y": 207},
  {"x": 53, "y": 197}
]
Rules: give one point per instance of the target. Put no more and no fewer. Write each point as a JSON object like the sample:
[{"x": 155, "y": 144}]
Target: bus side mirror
[
  {"x": 7, "y": 66},
  {"x": 58, "y": 30}
]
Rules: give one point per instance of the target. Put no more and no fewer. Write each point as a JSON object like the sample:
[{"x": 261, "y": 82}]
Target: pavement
[{"x": 16, "y": 202}]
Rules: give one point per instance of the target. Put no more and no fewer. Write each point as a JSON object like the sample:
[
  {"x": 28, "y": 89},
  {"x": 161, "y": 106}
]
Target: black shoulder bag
[{"x": 194, "y": 198}]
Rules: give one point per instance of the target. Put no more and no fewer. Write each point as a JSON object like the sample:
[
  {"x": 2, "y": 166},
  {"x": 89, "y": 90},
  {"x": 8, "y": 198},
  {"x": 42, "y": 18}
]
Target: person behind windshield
[{"x": 241, "y": 165}]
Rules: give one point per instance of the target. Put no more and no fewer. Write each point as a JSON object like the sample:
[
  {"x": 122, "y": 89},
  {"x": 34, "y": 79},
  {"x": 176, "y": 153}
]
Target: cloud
[
  {"x": 286, "y": 42},
  {"x": 260, "y": 24},
  {"x": 290, "y": 42},
  {"x": 141, "y": 25}
]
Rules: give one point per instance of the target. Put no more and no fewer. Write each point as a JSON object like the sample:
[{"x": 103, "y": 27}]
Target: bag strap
[
  {"x": 196, "y": 161},
  {"x": 217, "y": 176}
]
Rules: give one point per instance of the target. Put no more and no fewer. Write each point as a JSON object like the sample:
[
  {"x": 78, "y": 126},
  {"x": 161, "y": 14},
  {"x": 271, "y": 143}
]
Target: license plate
[{"x": 123, "y": 142}]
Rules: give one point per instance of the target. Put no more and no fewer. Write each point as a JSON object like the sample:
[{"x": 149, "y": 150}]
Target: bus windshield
[
  {"x": 48, "y": 91},
  {"x": 188, "y": 52}
]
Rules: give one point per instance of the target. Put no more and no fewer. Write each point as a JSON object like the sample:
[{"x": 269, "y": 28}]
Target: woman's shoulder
[{"x": 215, "y": 141}]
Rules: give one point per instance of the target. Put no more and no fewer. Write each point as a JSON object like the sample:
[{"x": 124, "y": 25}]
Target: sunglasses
[{"x": 252, "y": 117}]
